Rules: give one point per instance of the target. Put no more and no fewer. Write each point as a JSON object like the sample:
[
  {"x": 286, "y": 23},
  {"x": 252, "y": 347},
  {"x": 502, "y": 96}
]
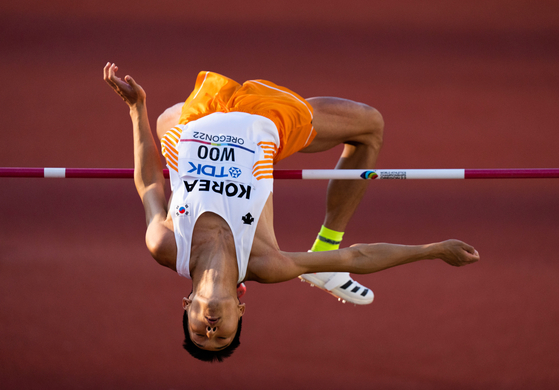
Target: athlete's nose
[{"x": 210, "y": 330}]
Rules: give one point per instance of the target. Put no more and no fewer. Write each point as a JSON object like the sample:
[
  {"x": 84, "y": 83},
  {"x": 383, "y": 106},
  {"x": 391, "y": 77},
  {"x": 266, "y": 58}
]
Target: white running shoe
[{"x": 340, "y": 285}]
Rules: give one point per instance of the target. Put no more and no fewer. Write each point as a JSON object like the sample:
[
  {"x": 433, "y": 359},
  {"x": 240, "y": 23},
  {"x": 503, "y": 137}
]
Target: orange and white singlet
[
  {"x": 224, "y": 165},
  {"x": 221, "y": 155}
]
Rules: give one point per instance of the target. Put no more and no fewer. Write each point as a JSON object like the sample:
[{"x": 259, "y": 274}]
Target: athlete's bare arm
[
  {"x": 148, "y": 171},
  {"x": 360, "y": 259}
]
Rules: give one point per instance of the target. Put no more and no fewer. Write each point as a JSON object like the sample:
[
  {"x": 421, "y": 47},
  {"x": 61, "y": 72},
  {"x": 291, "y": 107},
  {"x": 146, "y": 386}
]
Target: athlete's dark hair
[{"x": 210, "y": 356}]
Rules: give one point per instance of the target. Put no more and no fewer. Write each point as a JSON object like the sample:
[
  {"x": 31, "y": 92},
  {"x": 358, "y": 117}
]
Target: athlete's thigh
[{"x": 338, "y": 121}]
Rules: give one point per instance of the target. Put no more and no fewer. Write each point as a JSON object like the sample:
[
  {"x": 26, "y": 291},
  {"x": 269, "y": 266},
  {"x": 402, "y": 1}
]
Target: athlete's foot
[{"x": 340, "y": 285}]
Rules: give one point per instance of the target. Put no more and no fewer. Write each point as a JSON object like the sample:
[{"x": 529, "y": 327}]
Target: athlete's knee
[{"x": 373, "y": 125}]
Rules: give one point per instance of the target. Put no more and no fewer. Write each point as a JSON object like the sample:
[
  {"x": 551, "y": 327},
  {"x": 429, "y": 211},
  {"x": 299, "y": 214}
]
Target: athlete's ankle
[{"x": 327, "y": 240}]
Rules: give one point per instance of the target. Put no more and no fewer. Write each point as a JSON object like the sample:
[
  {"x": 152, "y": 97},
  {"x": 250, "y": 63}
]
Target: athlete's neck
[{"x": 213, "y": 260}]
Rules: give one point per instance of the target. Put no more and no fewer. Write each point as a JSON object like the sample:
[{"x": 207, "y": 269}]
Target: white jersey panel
[{"x": 217, "y": 154}]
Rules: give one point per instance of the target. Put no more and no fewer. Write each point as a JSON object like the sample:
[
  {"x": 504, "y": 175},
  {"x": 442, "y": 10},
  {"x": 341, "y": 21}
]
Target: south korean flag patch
[{"x": 182, "y": 210}]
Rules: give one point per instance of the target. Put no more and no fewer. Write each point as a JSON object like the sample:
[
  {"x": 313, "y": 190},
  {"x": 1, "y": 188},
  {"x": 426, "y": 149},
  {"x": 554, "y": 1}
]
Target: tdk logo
[
  {"x": 235, "y": 172},
  {"x": 213, "y": 171},
  {"x": 230, "y": 189}
]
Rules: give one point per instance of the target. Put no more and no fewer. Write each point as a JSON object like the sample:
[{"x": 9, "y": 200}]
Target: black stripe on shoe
[
  {"x": 347, "y": 284},
  {"x": 355, "y": 289},
  {"x": 365, "y": 292}
]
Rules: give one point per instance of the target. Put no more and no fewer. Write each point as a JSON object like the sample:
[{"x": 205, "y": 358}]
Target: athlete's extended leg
[{"x": 360, "y": 128}]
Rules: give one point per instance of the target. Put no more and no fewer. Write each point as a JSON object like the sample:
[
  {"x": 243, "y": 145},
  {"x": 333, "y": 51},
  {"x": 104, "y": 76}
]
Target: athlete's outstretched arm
[
  {"x": 363, "y": 259},
  {"x": 148, "y": 171}
]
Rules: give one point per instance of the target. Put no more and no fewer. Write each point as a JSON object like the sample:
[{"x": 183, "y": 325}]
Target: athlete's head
[{"x": 212, "y": 327}]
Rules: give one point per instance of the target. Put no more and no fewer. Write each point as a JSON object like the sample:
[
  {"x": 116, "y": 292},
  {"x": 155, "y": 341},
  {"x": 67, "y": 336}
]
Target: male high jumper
[{"x": 220, "y": 147}]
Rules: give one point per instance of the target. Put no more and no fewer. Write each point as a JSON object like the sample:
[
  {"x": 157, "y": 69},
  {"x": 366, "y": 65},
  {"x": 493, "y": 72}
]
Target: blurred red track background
[{"x": 460, "y": 84}]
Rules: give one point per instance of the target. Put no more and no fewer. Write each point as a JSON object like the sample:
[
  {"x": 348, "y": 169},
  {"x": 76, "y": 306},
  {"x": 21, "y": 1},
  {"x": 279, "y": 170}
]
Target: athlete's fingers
[
  {"x": 475, "y": 256},
  {"x": 132, "y": 82},
  {"x": 470, "y": 255},
  {"x": 106, "y": 71},
  {"x": 110, "y": 76},
  {"x": 460, "y": 254},
  {"x": 136, "y": 88},
  {"x": 114, "y": 79},
  {"x": 128, "y": 89},
  {"x": 469, "y": 248}
]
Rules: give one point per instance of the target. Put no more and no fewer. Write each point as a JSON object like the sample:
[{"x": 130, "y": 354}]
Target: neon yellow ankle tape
[{"x": 327, "y": 240}]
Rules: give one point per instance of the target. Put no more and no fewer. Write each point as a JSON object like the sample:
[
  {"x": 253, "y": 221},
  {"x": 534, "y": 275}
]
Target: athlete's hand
[
  {"x": 458, "y": 253},
  {"x": 128, "y": 89}
]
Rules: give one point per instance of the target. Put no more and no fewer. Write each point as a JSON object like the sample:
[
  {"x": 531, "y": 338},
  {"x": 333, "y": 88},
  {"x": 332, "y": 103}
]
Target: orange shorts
[{"x": 291, "y": 113}]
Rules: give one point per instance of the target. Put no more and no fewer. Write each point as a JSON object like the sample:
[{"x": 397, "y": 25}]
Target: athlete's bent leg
[{"x": 360, "y": 128}]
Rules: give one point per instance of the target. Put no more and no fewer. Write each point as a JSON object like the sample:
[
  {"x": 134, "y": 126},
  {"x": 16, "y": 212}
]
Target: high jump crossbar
[{"x": 305, "y": 174}]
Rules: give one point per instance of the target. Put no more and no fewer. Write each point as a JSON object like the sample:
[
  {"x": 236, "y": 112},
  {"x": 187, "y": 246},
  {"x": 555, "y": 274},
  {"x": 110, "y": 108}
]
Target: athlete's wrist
[
  {"x": 137, "y": 109},
  {"x": 434, "y": 251}
]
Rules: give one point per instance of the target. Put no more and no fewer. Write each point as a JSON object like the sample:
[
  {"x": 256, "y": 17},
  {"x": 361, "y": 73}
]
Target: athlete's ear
[
  {"x": 185, "y": 303},
  {"x": 241, "y": 308}
]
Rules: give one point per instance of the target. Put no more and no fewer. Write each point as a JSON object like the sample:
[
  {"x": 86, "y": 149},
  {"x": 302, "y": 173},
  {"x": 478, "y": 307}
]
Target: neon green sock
[{"x": 327, "y": 240}]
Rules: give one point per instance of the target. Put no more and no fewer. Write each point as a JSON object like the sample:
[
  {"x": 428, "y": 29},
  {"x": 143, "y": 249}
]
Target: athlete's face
[{"x": 213, "y": 322}]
